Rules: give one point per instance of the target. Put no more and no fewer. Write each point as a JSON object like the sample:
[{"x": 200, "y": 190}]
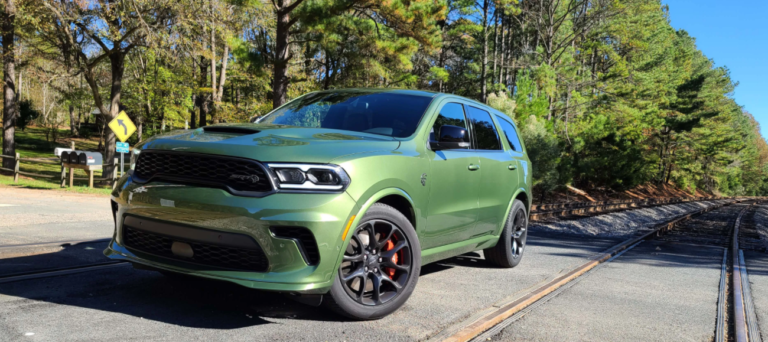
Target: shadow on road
[{"x": 210, "y": 304}]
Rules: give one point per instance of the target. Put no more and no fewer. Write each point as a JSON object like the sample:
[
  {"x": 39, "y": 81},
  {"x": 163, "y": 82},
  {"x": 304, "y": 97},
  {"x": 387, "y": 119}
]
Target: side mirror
[{"x": 449, "y": 138}]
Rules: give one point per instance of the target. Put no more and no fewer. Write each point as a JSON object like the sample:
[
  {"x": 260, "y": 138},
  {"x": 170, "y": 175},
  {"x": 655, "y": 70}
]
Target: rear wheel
[
  {"x": 380, "y": 268},
  {"x": 509, "y": 250}
]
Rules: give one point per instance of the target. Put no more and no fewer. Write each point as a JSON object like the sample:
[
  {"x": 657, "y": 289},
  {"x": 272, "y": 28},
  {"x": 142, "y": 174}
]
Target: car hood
[{"x": 272, "y": 143}]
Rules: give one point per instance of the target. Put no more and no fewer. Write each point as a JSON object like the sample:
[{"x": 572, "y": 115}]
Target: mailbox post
[{"x": 88, "y": 161}]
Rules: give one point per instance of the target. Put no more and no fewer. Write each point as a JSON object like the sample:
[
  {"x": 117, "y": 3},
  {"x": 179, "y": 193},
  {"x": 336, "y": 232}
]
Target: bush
[
  {"x": 543, "y": 151},
  {"x": 27, "y": 114}
]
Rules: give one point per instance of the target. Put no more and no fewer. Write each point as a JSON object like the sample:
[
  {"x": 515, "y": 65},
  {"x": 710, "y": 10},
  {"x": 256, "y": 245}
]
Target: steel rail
[
  {"x": 59, "y": 271},
  {"x": 739, "y": 319},
  {"x": 721, "y": 300},
  {"x": 745, "y": 320},
  {"x": 749, "y": 305}
]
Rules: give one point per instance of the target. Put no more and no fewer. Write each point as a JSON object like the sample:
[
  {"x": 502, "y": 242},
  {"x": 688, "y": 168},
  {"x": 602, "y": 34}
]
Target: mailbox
[
  {"x": 65, "y": 156},
  {"x": 73, "y": 157},
  {"x": 90, "y": 158}
]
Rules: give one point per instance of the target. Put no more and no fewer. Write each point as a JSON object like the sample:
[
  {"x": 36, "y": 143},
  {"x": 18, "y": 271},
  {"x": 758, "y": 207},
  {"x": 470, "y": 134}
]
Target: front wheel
[
  {"x": 380, "y": 268},
  {"x": 509, "y": 250}
]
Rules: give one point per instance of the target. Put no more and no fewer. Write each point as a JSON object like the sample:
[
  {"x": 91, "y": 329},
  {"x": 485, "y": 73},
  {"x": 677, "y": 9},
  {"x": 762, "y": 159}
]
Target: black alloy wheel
[
  {"x": 519, "y": 234},
  {"x": 377, "y": 263},
  {"x": 379, "y": 268},
  {"x": 509, "y": 249}
]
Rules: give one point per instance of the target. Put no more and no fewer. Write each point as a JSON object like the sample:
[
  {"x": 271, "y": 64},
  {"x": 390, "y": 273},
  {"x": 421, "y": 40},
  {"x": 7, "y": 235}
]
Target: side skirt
[{"x": 447, "y": 251}]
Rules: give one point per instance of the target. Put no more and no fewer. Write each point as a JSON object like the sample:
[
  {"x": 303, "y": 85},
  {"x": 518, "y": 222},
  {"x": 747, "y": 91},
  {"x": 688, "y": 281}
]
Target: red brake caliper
[{"x": 395, "y": 258}]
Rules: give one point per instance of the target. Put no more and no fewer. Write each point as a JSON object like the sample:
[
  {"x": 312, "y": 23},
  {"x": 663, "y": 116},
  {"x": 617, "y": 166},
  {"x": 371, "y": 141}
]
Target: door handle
[
  {"x": 473, "y": 167},
  {"x": 512, "y": 167}
]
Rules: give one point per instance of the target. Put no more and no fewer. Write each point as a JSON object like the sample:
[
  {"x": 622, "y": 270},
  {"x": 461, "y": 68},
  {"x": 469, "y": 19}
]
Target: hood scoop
[{"x": 230, "y": 129}]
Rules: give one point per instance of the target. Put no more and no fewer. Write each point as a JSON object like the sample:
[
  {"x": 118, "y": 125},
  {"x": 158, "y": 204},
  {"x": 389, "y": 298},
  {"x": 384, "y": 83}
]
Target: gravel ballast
[{"x": 622, "y": 224}]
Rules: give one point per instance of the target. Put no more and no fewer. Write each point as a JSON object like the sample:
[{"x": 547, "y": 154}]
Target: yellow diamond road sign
[{"x": 122, "y": 126}]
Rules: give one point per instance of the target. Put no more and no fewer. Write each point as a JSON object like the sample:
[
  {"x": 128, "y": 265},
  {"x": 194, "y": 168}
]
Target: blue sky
[{"x": 733, "y": 34}]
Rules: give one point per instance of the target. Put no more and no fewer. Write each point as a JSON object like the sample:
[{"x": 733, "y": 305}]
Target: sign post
[
  {"x": 123, "y": 128},
  {"x": 122, "y": 147}
]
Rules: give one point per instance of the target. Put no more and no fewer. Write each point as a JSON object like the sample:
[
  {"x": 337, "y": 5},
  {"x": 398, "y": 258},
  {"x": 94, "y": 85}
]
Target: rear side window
[
  {"x": 451, "y": 114},
  {"x": 485, "y": 131},
  {"x": 510, "y": 133}
]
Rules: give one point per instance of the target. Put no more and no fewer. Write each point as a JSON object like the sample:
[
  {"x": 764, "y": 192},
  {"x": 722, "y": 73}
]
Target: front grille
[
  {"x": 203, "y": 253},
  {"x": 239, "y": 176},
  {"x": 305, "y": 240}
]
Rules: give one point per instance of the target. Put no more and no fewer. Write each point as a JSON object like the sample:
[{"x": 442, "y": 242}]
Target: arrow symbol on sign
[{"x": 125, "y": 128}]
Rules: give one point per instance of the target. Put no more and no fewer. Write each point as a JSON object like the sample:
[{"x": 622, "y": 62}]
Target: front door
[{"x": 454, "y": 180}]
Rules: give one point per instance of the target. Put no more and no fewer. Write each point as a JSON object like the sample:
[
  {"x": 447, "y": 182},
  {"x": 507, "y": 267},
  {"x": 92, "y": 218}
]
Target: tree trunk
[
  {"x": 495, "y": 42},
  {"x": 10, "y": 112},
  {"x": 193, "y": 112},
  {"x": 327, "y": 79},
  {"x": 140, "y": 129},
  {"x": 218, "y": 94},
  {"x": 484, "y": 72},
  {"x": 282, "y": 56},
  {"x": 502, "y": 51},
  {"x": 73, "y": 121},
  {"x": 117, "y": 59},
  {"x": 21, "y": 87},
  {"x": 201, "y": 97}
]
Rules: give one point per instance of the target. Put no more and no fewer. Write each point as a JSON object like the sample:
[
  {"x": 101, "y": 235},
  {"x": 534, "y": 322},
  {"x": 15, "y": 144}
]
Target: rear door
[
  {"x": 498, "y": 172},
  {"x": 515, "y": 149},
  {"x": 454, "y": 180}
]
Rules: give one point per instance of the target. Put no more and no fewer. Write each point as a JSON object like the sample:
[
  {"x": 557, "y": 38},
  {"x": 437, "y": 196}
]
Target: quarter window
[
  {"x": 485, "y": 131},
  {"x": 451, "y": 114},
  {"x": 510, "y": 133}
]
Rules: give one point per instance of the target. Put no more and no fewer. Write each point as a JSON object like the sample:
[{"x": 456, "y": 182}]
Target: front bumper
[{"x": 325, "y": 215}]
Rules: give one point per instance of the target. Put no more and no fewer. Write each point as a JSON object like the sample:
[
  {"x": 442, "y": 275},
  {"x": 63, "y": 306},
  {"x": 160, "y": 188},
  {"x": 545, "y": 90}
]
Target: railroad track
[
  {"x": 574, "y": 210},
  {"x": 745, "y": 237},
  {"x": 715, "y": 226}
]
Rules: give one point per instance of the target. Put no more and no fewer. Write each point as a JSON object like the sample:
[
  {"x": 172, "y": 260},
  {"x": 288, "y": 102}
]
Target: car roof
[
  {"x": 414, "y": 92},
  {"x": 424, "y": 93}
]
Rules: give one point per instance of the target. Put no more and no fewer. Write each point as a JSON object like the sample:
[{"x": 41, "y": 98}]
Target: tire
[
  {"x": 509, "y": 250},
  {"x": 370, "y": 292}
]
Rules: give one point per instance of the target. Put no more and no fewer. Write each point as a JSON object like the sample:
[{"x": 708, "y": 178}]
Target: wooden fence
[{"x": 18, "y": 160}]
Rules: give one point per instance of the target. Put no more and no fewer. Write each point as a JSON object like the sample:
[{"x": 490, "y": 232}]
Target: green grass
[
  {"x": 46, "y": 185},
  {"x": 31, "y": 143}
]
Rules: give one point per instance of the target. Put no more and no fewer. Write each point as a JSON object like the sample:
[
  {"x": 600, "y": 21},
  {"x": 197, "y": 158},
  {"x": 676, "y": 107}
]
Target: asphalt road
[
  {"x": 35, "y": 216},
  {"x": 128, "y": 304}
]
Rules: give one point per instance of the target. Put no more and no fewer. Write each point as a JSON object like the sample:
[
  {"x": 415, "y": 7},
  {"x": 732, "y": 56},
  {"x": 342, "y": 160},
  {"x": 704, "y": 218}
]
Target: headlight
[
  {"x": 134, "y": 157},
  {"x": 309, "y": 177}
]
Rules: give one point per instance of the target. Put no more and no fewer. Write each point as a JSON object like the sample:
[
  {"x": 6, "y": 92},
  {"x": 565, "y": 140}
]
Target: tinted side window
[
  {"x": 485, "y": 131},
  {"x": 451, "y": 114},
  {"x": 511, "y": 133}
]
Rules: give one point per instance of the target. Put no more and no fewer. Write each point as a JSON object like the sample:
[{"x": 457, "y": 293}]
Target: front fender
[{"x": 360, "y": 210}]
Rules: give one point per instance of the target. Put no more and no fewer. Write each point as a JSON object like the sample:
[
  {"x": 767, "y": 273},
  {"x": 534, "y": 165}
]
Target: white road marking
[{"x": 7, "y": 205}]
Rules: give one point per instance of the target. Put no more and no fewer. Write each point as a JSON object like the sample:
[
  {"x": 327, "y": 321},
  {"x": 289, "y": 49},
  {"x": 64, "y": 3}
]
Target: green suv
[{"x": 337, "y": 197}]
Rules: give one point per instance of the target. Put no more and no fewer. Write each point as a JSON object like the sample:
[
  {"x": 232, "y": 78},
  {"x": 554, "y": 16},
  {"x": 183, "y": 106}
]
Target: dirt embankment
[{"x": 571, "y": 194}]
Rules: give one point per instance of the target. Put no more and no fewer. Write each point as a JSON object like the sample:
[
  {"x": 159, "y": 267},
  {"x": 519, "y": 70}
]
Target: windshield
[{"x": 395, "y": 115}]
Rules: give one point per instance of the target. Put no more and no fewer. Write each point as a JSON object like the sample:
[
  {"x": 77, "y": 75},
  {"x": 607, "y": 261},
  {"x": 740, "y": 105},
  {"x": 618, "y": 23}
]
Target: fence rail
[{"x": 18, "y": 160}]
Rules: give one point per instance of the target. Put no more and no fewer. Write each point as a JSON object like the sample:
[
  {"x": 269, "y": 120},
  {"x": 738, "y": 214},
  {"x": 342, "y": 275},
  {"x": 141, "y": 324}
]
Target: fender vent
[{"x": 303, "y": 238}]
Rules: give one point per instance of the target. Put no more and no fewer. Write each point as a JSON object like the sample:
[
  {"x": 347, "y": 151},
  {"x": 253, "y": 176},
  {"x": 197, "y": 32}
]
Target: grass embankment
[{"x": 32, "y": 143}]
